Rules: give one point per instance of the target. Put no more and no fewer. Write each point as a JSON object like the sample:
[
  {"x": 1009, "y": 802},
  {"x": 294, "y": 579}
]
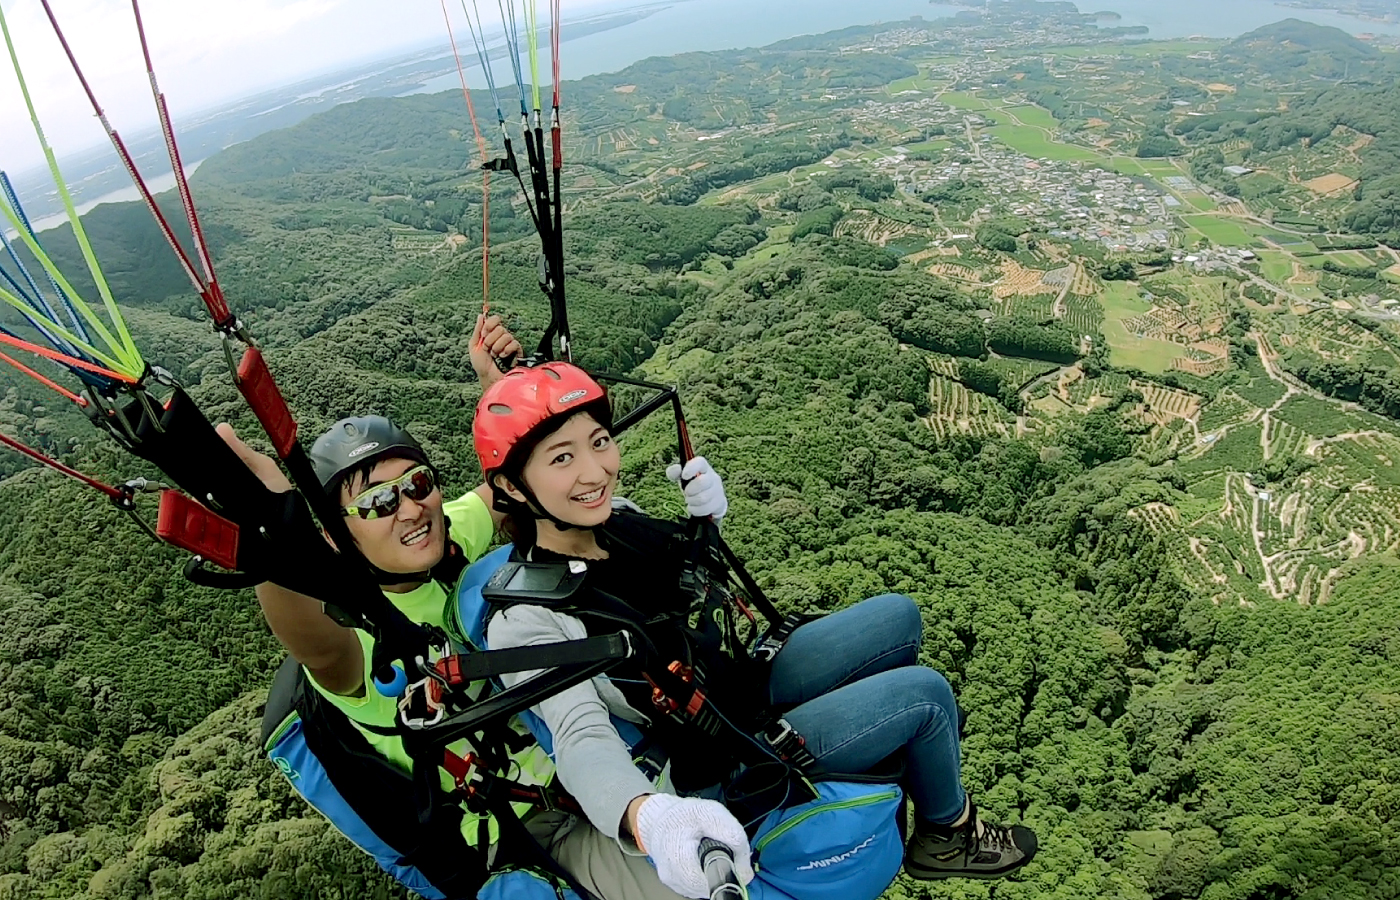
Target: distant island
[{"x": 1369, "y": 10}]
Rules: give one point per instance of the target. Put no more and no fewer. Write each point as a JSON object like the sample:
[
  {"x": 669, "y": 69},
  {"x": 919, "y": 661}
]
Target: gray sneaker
[{"x": 975, "y": 849}]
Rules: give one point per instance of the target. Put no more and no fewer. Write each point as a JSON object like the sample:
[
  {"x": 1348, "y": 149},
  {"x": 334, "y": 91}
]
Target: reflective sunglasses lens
[
  {"x": 420, "y": 484},
  {"x": 384, "y": 502}
]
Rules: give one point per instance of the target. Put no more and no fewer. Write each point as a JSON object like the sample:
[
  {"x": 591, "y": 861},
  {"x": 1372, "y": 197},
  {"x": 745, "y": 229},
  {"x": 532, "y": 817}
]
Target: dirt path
[
  {"x": 1314, "y": 446},
  {"x": 1060, "y": 309}
]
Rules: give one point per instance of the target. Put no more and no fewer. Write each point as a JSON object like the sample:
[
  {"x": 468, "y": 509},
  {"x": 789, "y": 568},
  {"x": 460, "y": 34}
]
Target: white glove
[
  {"x": 704, "y": 491},
  {"x": 670, "y": 829}
]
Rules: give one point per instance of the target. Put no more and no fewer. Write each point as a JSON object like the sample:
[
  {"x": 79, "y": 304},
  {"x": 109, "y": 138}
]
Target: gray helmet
[{"x": 357, "y": 441}]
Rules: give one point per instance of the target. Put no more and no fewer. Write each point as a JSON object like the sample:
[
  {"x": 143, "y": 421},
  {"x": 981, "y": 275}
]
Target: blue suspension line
[
  {"x": 78, "y": 328},
  {"x": 479, "y": 41},
  {"x": 512, "y": 31}
]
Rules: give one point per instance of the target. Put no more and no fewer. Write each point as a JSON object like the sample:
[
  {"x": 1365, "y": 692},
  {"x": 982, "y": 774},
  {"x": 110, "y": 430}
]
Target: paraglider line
[
  {"x": 479, "y": 39},
  {"x": 45, "y": 381},
  {"x": 213, "y": 295},
  {"x": 485, "y": 173},
  {"x": 120, "y": 146},
  {"x": 37, "y": 300},
  {"x": 21, "y": 344},
  {"x": 54, "y": 464},
  {"x": 124, "y": 348},
  {"x": 532, "y": 27},
  {"x": 512, "y": 32}
]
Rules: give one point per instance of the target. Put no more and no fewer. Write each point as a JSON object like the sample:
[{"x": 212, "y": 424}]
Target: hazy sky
[{"x": 205, "y": 52}]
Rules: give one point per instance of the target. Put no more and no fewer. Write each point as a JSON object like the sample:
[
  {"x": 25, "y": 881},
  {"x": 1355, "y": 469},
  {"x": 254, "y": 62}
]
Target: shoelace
[{"x": 992, "y": 837}]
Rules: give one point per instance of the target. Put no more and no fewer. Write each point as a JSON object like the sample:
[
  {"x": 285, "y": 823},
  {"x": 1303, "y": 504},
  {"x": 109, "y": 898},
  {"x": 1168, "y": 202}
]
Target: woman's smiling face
[{"x": 573, "y": 472}]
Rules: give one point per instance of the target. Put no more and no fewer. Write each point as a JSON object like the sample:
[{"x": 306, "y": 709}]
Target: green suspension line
[
  {"x": 532, "y": 27},
  {"x": 125, "y": 348}
]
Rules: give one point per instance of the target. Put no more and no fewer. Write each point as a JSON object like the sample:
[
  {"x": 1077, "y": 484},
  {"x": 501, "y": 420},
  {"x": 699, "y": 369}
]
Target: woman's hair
[{"x": 519, "y": 523}]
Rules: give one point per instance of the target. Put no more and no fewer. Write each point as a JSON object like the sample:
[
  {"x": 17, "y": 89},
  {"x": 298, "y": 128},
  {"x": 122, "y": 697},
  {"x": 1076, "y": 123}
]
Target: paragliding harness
[{"x": 702, "y": 664}]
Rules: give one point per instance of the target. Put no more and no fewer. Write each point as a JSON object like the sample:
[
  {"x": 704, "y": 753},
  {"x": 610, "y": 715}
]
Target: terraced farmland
[
  {"x": 1083, "y": 314},
  {"x": 957, "y": 410}
]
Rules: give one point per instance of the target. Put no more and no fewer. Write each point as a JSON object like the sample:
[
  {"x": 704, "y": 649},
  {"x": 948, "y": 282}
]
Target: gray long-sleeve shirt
[{"x": 594, "y": 763}]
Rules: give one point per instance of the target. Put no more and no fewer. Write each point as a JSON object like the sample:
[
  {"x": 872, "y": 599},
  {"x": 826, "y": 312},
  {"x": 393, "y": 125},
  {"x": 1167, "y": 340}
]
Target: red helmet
[{"x": 523, "y": 400}]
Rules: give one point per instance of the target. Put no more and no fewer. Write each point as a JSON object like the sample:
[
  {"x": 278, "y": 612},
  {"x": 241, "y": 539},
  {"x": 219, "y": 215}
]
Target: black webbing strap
[
  {"x": 754, "y": 593},
  {"x": 498, "y": 707},
  {"x": 601, "y": 654},
  {"x": 482, "y": 664}
]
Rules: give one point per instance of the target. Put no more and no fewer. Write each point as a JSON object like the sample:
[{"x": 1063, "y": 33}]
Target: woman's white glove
[
  {"x": 669, "y": 830},
  {"x": 704, "y": 491}
]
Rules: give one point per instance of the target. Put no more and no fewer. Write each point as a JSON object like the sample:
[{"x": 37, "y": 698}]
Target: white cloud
[{"x": 205, "y": 52}]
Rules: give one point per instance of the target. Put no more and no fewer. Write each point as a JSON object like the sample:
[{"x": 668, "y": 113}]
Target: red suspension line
[
  {"x": 45, "y": 381},
  {"x": 60, "y": 467},
  {"x": 66, "y": 360},
  {"x": 554, "y": 47},
  {"x": 215, "y": 309},
  {"x": 555, "y": 136},
  {"x": 214, "y": 295}
]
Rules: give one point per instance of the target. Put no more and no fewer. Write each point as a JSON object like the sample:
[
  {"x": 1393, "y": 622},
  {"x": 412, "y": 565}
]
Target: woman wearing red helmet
[{"x": 849, "y": 683}]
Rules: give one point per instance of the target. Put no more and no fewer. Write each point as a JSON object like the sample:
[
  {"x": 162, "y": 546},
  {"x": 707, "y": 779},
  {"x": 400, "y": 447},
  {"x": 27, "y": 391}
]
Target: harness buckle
[
  {"x": 429, "y": 700},
  {"x": 464, "y": 771},
  {"x": 788, "y": 745},
  {"x": 766, "y": 648}
]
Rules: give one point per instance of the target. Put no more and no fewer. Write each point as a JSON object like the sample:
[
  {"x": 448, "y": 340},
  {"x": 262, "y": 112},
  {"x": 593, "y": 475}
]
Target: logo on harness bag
[
  {"x": 571, "y": 396},
  {"x": 363, "y": 448},
  {"x": 837, "y": 859},
  {"x": 286, "y": 769}
]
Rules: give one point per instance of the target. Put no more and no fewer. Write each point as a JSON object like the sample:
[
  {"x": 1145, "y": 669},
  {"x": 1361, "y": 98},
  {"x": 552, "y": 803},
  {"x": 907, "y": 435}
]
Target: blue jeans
[{"x": 858, "y": 695}]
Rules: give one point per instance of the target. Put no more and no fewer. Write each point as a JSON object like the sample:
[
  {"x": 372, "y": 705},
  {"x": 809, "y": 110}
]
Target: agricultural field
[
  {"x": 1035, "y": 116},
  {"x": 1123, "y": 304},
  {"x": 1036, "y": 144},
  {"x": 1083, "y": 314},
  {"x": 957, "y": 410},
  {"x": 1220, "y": 231},
  {"x": 1148, "y": 168},
  {"x": 1020, "y": 371},
  {"x": 1276, "y": 266},
  {"x": 1225, "y": 411},
  {"x": 964, "y": 100}
]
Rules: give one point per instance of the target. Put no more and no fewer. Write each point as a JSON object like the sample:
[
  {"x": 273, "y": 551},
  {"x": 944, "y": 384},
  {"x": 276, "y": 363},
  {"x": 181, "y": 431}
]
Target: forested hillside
[{"x": 880, "y": 417}]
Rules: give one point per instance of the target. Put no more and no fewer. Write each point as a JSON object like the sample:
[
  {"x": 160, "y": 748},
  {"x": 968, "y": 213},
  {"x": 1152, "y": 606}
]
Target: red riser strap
[{"x": 260, "y": 390}]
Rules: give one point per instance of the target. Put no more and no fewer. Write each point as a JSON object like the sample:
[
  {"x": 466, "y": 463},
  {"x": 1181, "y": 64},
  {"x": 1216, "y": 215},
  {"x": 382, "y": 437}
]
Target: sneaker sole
[
  {"x": 920, "y": 874},
  {"x": 941, "y": 875}
]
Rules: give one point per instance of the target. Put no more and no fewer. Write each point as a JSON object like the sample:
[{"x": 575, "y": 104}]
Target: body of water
[
  {"x": 1223, "y": 18},
  {"x": 157, "y": 185},
  {"x": 697, "y": 25}
]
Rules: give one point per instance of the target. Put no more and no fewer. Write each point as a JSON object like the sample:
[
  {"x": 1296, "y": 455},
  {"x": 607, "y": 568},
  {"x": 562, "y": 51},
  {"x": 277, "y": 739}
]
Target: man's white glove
[
  {"x": 670, "y": 830},
  {"x": 704, "y": 491}
]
